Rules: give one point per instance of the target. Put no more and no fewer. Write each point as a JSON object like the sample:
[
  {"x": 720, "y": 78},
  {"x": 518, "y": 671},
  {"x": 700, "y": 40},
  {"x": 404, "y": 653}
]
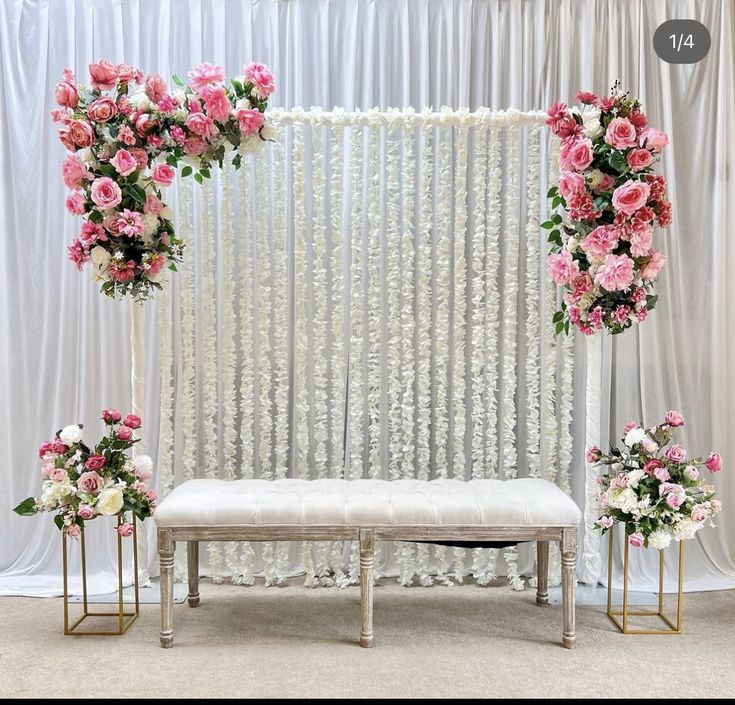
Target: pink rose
[
  {"x": 654, "y": 139},
  {"x": 593, "y": 454},
  {"x": 676, "y": 453},
  {"x": 616, "y": 273},
  {"x": 75, "y": 203},
  {"x": 576, "y": 155},
  {"x": 66, "y": 140},
  {"x": 90, "y": 482},
  {"x": 621, "y": 133},
  {"x": 204, "y": 74},
  {"x": 639, "y": 159},
  {"x": 691, "y": 473},
  {"x": 640, "y": 241},
  {"x": 163, "y": 174},
  {"x": 601, "y": 241},
  {"x": 699, "y": 514},
  {"x": 145, "y": 123},
  {"x": 132, "y": 421},
  {"x": 661, "y": 474},
  {"x": 73, "y": 530},
  {"x": 177, "y": 134},
  {"x": 124, "y": 162},
  {"x": 605, "y": 522},
  {"x": 674, "y": 499},
  {"x": 124, "y": 433},
  {"x": 66, "y": 94},
  {"x": 261, "y": 78},
  {"x": 562, "y": 268},
  {"x": 73, "y": 171},
  {"x": 102, "y": 109},
  {"x": 673, "y": 419},
  {"x": 629, "y": 426},
  {"x": 58, "y": 447},
  {"x": 570, "y": 183},
  {"x": 144, "y": 475},
  {"x": 631, "y": 196},
  {"x": 106, "y": 193},
  {"x": 202, "y": 125},
  {"x": 58, "y": 475},
  {"x": 81, "y": 133},
  {"x": 103, "y": 75},
  {"x": 605, "y": 185},
  {"x": 153, "y": 204},
  {"x": 155, "y": 87},
  {"x": 655, "y": 263},
  {"x": 125, "y": 73},
  {"x": 194, "y": 146},
  {"x": 125, "y": 529},
  {"x": 110, "y": 416},
  {"x": 85, "y": 512},
  {"x": 95, "y": 462},
  {"x": 216, "y": 103},
  {"x": 151, "y": 495},
  {"x": 714, "y": 462},
  {"x": 636, "y": 539}
]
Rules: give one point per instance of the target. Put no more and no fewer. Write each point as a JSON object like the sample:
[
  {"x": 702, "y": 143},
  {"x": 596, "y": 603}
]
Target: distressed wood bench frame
[{"x": 367, "y": 536}]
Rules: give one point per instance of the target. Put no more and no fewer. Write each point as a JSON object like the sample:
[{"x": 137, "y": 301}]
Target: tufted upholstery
[{"x": 367, "y": 503}]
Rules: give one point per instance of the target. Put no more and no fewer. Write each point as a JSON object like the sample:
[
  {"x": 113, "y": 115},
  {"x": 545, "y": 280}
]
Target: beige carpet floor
[{"x": 463, "y": 641}]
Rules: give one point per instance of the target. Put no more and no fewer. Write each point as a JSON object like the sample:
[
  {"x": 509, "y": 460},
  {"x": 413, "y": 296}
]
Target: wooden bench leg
[
  {"x": 166, "y": 561},
  {"x": 568, "y": 584},
  {"x": 192, "y": 562},
  {"x": 367, "y": 563},
  {"x": 542, "y": 560}
]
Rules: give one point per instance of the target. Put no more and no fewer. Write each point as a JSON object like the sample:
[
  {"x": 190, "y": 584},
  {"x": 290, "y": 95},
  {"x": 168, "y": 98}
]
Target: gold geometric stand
[
  {"x": 625, "y": 612},
  {"x": 124, "y": 619}
]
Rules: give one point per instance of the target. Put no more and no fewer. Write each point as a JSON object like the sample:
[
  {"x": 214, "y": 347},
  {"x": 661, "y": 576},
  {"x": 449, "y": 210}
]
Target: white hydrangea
[
  {"x": 634, "y": 478},
  {"x": 624, "y": 499},
  {"x": 659, "y": 539},
  {"x": 634, "y": 436},
  {"x": 685, "y": 529}
]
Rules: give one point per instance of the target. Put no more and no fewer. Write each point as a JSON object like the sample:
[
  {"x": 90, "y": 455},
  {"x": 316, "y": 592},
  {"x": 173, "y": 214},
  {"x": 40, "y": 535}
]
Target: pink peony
[
  {"x": 125, "y": 73},
  {"x": 714, "y": 462},
  {"x": 585, "y": 97},
  {"x": 250, "y": 120},
  {"x": 601, "y": 241},
  {"x": 194, "y": 146},
  {"x": 167, "y": 104},
  {"x": 124, "y": 433},
  {"x": 153, "y": 204},
  {"x": 130, "y": 223},
  {"x": 90, "y": 482},
  {"x": 204, "y": 74},
  {"x": 73, "y": 171},
  {"x": 110, "y": 416},
  {"x": 631, "y": 196},
  {"x": 103, "y": 75},
  {"x": 561, "y": 267},
  {"x": 155, "y": 87},
  {"x": 202, "y": 125},
  {"x": 106, "y": 193},
  {"x": 216, "y": 103},
  {"x": 570, "y": 183},
  {"x": 132, "y": 421},
  {"x": 636, "y": 539},
  {"x": 102, "y": 110},
  {"x": 95, "y": 462},
  {"x": 163, "y": 174},
  {"x": 640, "y": 241},
  {"x": 654, "y": 265},
  {"x": 124, "y": 162},
  {"x": 576, "y": 155},
  {"x": 75, "y": 203},
  {"x": 593, "y": 454},
  {"x": 676, "y": 453},
  {"x": 639, "y": 159},
  {"x": 616, "y": 273},
  {"x": 81, "y": 133},
  {"x": 654, "y": 139},
  {"x": 126, "y": 136},
  {"x": 145, "y": 124},
  {"x": 673, "y": 419},
  {"x": 177, "y": 134},
  {"x": 66, "y": 94},
  {"x": 261, "y": 78},
  {"x": 85, "y": 512},
  {"x": 125, "y": 529}
]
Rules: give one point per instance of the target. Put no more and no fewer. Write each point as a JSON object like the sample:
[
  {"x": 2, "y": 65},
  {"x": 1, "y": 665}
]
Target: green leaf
[
  {"x": 559, "y": 327},
  {"x": 177, "y": 80},
  {"x": 555, "y": 237},
  {"x": 136, "y": 193},
  {"x": 171, "y": 160},
  {"x": 548, "y": 224},
  {"x": 107, "y": 170},
  {"x": 557, "y": 201},
  {"x": 59, "y": 521},
  {"x": 173, "y": 267},
  {"x": 552, "y": 192},
  {"x": 556, "y": 219},
  {"x": 237, "y": 161},
  {"x": 95, "y": 216},
  {"x": 198, "y": 178},
  {"x": 618, "y": 162},
  {"x": 27, "y": 508},
  {"x": 237, "y": 86},
  {"x": 205, "y": 173},
  {"x": 186, "y": 171},
  {"x": 558, "y": 316}
]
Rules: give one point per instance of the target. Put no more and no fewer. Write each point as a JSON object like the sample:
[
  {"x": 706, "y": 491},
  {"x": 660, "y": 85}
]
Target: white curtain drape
[{"x": 65, "y": 351}]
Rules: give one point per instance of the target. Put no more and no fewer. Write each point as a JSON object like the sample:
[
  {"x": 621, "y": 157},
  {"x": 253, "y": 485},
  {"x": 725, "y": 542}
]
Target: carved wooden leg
[
  {"x": 568, "y": 584},
  {"x": 542, "y": 559},
  {"x": 192, "y": 562},
  {"x": 367, "y": 562},
  {"x": 166, "y": 561}
]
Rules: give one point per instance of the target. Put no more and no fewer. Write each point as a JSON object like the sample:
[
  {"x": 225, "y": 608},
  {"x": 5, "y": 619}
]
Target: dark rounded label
[{"x": 682, "y": 41}]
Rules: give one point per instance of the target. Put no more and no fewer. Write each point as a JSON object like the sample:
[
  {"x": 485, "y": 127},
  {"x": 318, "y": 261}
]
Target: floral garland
[
  {"x": 602, "y": 251},
  {"x": 127, "y": 134}
]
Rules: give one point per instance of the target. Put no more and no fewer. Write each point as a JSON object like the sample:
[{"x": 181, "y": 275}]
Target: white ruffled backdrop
[{"x": 65, "y": 351}]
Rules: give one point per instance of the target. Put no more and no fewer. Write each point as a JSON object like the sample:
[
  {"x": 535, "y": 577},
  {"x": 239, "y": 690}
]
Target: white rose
[
  {"x": 624, "y": 499},
  {"x": 634, "y": 436},
  {"x": 649, "y": 445},
  {"x": 243, "y": 104},
  {"x": 180, "y": 115},
  {"x": 70, "y": 435},
  {"x": 140, "y": 101},
  {"x": 686, "y": 529},
  {"x": 592, "y": 124},
  {"x": 109, "y": 501},
  {"x": 659, "y": 539},
  {"x": 634, "y": 477},
  {"x": 268, "y": 132},
  {"x": 572, "y": 243},
  {"x": 100, "y": 258}
]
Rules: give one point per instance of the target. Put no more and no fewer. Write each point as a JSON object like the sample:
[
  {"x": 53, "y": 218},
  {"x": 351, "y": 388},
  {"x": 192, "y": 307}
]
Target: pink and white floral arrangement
[
  {"x": 610, "y": 200},
  {"x": 81, "y": 483},
  {"x": 126, "y": 134},
  {"x": 655, "y": 490}
]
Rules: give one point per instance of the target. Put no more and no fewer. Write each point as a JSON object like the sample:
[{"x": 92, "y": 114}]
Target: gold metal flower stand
[
  {"x": 124, "y": 619},
  {"x": 673, "y": 627}
]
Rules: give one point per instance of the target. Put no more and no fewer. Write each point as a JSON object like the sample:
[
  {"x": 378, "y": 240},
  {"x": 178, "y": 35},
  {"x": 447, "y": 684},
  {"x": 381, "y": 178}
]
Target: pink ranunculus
[
  {"x": 639, "y": 159},
  {"x": 699, "y": 514},
  {"x": 570, "y": 182},
  {"x": 202, "y": 125},
  {"x": 103, "y": 75},
  {"x": 676, "y": 453},
  {"x": 714, "y": 462},
  {"x": 155, "y": 87},
  {"x": 194, "y": 146},
  {"x": 661, "y": 474},
  {"x": 204, "y": 74},
  {"x": 124, "y": 162},
  {"x": 621, "y": 133},
  {"x": 640, "y": 241},
  {"x": 141, "y": 156},
  {"x": 132, "y": 421},
  {"x": 102, "y": 110},
  {"x": 593, "y": 454},
  {"x": 58, "y": 447},
  {"x": 81, "y": 133},
  {"x": 125, "y": 530},
  {"x": 73, "y": 171},
  {"x": 75, "y": 203},
  {"x": 58, "y": 475},
  {"x": 636, "y": 539},
  {"x": 145, "y": 123},
  {"x": 561, "y": 267},
  {"x": 673, "y": 419},
  {"x": 110, "y": 416},
  {"x": 651, "y": 269},
  {"x": 73, "y": 530},
  {"x": 66, "y": 94},
  {"x": 85, "y": 512},
  {"x": 631, "y": 196},
  {"x": 125, "y": 73},
  {"x": 261, "y": 78},
  {"x": 106, "y": 193},
  {"x": 654, "y": 139},
  {"x": 163, "y": 174},
  {"x": 601, "y": 241},
  {"x": 585, "y": 97},
  {"x": 95, "y": 462},
  {"x": 124, "y": 433},
  {"x": 576, "y": 155},
  {"x": 130, "y": 223},
  {"x": 250, "y": 120},
  {"x": 616, "y": 273},
  {"x": 90, "y": 482},
  {"x": 151, "y": 495},
  {"x": 216, "y": 103}
]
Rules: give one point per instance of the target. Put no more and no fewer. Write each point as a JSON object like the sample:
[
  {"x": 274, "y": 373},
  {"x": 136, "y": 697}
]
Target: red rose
[
  {"x": 95, "y": 462},
  {"x": 111, "y": 416}
]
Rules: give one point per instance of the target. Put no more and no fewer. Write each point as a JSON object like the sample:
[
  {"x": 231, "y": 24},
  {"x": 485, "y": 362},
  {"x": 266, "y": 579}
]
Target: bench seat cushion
[{"x": 520, "y": 502}]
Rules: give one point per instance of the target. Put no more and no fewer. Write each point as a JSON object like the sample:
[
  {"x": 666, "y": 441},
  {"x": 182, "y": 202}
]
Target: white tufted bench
[{"x": 367, "y": 511}]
